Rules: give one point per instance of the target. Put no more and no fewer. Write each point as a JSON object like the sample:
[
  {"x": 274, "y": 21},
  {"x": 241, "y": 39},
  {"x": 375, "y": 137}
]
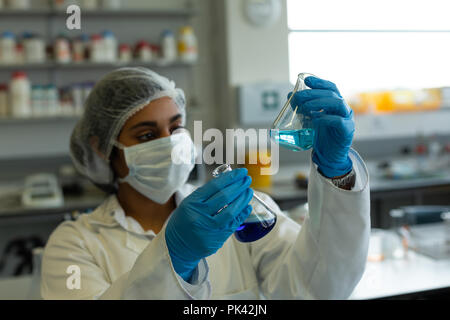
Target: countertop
[
  {"x": 399, "y": 276},
  {"x": 11, "y": 206}
]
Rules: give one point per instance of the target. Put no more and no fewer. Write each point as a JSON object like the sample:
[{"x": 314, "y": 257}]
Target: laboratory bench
[
  {"x": 385, "y": 194},
  {"x": 411, "y": 276}
]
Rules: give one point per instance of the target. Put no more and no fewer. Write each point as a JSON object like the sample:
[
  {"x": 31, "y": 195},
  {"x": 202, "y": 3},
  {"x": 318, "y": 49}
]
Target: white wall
[
  {"x": 256, "y": 53},
  {"x": 249, "y": 54}
]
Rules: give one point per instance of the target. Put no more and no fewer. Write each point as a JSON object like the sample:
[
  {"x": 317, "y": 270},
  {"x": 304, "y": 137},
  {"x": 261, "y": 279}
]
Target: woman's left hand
[{"x": 333, "y": 123}]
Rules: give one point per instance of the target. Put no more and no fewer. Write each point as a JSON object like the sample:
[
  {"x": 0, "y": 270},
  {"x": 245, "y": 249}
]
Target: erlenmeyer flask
[
  {"x": 290, "y": 129},
  {"x": 261, "y": 220}
]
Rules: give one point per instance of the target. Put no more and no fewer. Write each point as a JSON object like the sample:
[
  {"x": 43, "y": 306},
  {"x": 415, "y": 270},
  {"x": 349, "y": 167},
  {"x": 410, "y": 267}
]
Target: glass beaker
[
  {"x": 261, "y": 220},
  {"x": 290, "y": 129}
]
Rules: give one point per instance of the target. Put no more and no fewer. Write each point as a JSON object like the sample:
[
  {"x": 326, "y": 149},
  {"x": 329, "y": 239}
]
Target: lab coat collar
[{"x": 110, "y": 213}]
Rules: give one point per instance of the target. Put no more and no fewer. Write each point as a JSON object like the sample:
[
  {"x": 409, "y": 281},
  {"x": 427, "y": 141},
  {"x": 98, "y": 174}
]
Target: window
[{"x": 366, "y": 45}]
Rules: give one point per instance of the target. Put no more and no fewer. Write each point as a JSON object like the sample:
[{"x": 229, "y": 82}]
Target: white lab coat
[{"x": 322, "y": 259}]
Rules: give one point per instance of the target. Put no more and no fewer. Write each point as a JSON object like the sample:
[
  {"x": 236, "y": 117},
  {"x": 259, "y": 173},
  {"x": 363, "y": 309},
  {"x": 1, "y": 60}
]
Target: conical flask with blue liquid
[
  {"x": 261, "y": 220},
  {"x": 291, "y": 129}
]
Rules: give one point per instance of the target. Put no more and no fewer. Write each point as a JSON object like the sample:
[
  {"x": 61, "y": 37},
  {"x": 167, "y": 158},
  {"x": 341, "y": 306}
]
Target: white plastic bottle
[
  {"x": 34, "y": 47},
  {"x": 96, "y": 49},
  {"x": 19, "y": 4},
  {"x": 109, "y": 46},
  {"x": 7, "y": 48},
  {"x": 187, "y": 45},
  {"x": 168, "y": 47},
  {"x": 20, "y": 95}
]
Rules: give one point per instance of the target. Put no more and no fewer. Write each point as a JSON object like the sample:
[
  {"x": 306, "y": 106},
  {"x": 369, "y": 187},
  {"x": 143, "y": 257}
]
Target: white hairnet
[{"x": 112, "y": 101}]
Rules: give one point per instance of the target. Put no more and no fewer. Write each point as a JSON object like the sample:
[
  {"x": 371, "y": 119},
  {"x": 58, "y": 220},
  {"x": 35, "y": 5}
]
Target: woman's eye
[{"x": 147, "y": 136}]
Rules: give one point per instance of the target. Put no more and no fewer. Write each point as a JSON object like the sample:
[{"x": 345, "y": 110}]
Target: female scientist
[{"x": 155, "y": 237}]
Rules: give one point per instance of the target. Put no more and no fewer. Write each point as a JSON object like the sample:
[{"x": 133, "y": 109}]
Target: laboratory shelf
[
  {"x": 186, "y": 13},
  {"x": 90, "y": 65},
  {"x": 24, "y": 13},
  {"x": 38, "y": 120}
]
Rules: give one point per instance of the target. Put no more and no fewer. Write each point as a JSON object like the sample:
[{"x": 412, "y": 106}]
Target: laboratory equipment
[
  {"x": 261, "y": 220},
  {"x": 42, "y": 191},
  {"x": 290, "y": 129}
]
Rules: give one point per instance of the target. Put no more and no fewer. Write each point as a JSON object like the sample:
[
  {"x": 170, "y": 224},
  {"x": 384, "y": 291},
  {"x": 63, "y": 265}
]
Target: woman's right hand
[{"x": 196, "y": 229}]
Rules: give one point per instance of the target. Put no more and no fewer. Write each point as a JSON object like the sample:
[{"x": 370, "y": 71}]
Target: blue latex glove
[
  {"x": 334, "y": 127},
  {"x": 195, "y": 229}
]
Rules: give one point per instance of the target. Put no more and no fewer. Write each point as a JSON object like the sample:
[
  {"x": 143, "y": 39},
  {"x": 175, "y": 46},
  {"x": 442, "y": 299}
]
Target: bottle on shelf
[
  {"x": 78, "y": 50},
  {"x": 77, "y": 98},
  {"x": 96, "y": 49},
  {"x": 109, "y": 46},
  {"x": 7, "y": 48},
  {"x": 187, "y": 45},
  {"x": 26, "y": 42},
  {"x": 125, "y": 54},
  {"x": 37, "y": 100},
  {"x": 144, "y": 51},
  {"x": 62, "y": 50},
  {"x": 20, "y": 95},
  {"x": 168, "y": 47},
  {"x": 66, "y": 101},
  {"x": 4, "y": 108},
  {"x": 52, "y": 100}
]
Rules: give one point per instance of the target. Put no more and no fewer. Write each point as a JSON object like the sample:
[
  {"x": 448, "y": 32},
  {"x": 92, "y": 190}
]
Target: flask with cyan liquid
[
  {"x": 292, "y": 129},
  {"x": 261, "y": 220}
]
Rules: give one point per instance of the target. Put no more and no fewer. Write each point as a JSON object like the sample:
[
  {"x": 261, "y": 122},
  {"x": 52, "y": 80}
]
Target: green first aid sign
[{"x": 260, "y": 103}]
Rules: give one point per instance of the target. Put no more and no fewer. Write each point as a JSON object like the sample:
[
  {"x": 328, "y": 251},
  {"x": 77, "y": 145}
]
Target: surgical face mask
[{"x": 160, "y": 167}]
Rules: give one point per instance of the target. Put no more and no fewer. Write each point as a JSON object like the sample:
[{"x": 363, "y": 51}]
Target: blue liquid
[
  {"x": 295, "y": 140},
  {"x": 252, "y": 231}
]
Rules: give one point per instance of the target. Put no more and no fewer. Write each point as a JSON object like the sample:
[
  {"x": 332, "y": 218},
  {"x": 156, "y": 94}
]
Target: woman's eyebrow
[
  {"x": 175, "y": 118},
  {"x": 153, "y": 123},
  {"x": 144, "y": 124}
]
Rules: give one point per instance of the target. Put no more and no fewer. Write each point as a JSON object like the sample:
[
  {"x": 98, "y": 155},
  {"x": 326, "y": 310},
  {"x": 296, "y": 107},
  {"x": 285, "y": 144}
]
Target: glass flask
[
  {"x": 261, "y": 220},
  {"x": 290, "y": 129}
]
